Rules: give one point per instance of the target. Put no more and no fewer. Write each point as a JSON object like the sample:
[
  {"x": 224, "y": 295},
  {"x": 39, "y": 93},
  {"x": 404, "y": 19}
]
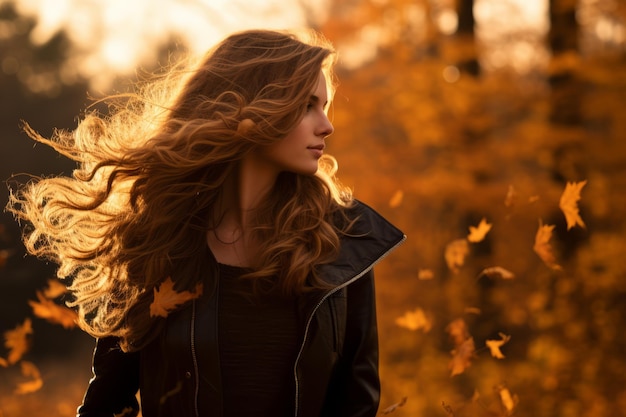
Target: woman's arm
[
  {"x": 113, "y": 388},
  {"x": 356, "y": 383}
]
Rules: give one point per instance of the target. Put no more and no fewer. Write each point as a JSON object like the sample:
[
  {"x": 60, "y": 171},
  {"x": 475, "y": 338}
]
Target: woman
[{"x": 211, "y": 252}]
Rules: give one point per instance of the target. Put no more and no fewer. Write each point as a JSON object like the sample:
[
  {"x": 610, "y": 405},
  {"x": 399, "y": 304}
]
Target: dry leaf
[
  {"x": 495, "y": 272},
  {"x": 29, "y": 370},
  {"x": 4, "y": 256},
  {"x": 448, "y": 409},
  {"x": 542, "y": 245},
  {"x": 509, "y": 402},
  {"x": 17, "y": 341},
  {"x": 472, "y": 310},
  {"x": 458, "y": 331},
  {"x": 478, "y": 233},
  {"x": 414, "y": 320},
  {"x": 455, "y": 254},
  {"x": 3, "y": 363},
  {"x": 425, "y": 274},
  {"x": 494, "y": 345},
  {"x": 394, "y": 407},
  {"x": 569, "y": 203},
  {"x": 462, "y": 357},
  {"x": 54, "y": 289},
  {"x": 510, "y": 196},
  {"x": 396, "y": 199},
  {"x": 53, "y": 312},
  {"x": 166, "y": 298}
]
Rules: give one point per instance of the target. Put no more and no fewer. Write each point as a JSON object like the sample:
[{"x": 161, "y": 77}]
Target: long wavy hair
[{"x": 137, "y": 209}]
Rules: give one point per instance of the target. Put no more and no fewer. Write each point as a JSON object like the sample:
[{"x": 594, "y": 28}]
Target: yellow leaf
[
  {"x": 17, "y": 341},
  {"x": 414, "y": 320},
  {"x": 29, "y": 370},
  {"x": 396, "y": 199},
  {"x": 494, "y": 345},
  {"x": 494, "y": 272},
  {"x": 4, "y": 363},
  {"x": 457, "y": 329},
  {"x": 569, "y": 203},
  {"x": 455, "y": 254},
  {"x": 394, "y": 407},
  {"x": 166, "y": 298},
  {"x": 54, "y": 313},
  {"x": 479, "y": 232},
  {"x": 542, "y": 245}
]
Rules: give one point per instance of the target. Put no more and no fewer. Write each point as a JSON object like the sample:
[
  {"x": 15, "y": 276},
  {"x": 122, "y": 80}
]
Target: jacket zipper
[
  {"x": 320, "y": 302},
  {"x": 194, "y": 359}
]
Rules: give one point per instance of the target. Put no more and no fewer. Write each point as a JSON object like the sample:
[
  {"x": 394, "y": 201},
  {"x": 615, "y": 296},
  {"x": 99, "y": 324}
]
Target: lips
[
  {"x": 317, "y": 150},
  {"x": 317, "y": 147}
]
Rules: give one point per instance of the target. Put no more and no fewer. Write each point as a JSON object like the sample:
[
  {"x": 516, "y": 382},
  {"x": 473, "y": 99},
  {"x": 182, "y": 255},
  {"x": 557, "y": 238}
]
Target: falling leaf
[
  {"x": 414, "y": 320},
  {"x": 54, "y": 289},
  {"x": 166, "y": 298},
  {"x": 17, "y": 341},
  {"x": 396, "y": 199},
  {"x": 510, "y": 196},
  {"x": 455, "y": 254},
  {"x": 542, "y": 245},
  {"x": 4, "y": 256},
  {"x": 569, "y": 204},
  {"x": 494, "y": 345},
  {"x": 31, "y": 371},
  {"x": 509, "y": 402},
  {"x": 457, "y": 329},
  {"x": 448, "y": 409},
  {"x": 425, "y": 274},
  {"x": 472, "y": 310},
  {"x": 478, "y": 233},
  {"x": 462, "y": 357},
  {"x": 394, "y": 407},
  {"x": 533, "y": 199},
  {"x": 495, "y": 272},
  {"x": 4, "y": 363},
  {"x": 53, "y": 312}
]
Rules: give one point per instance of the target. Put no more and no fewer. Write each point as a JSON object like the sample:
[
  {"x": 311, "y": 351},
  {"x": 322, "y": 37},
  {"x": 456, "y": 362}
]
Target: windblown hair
[{"x": 137, "y": 209}]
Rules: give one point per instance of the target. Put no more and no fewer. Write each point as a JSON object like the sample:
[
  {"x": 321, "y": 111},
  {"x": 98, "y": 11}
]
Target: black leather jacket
[{"x": 335, "y": 373}]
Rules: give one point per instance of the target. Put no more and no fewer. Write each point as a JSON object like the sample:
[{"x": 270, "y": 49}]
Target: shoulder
[{"x": 369, "y": 224}]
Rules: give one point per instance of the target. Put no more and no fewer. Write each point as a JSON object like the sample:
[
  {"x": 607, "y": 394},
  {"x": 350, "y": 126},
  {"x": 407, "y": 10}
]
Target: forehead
[{"x": 321, "y": 89}]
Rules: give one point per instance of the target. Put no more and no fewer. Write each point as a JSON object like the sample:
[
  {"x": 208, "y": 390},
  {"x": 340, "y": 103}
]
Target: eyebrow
[{"x": 315, "y": 99}]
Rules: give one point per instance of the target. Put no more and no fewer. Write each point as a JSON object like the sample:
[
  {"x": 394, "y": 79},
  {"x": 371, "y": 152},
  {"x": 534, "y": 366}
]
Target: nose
[{"x": 326, "y": 127}]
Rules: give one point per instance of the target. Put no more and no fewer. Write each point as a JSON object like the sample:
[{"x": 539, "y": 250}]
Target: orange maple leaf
[
  {"x": 54, "y": 313},
  {"x": 509, "y": 402},
  {"x": 396, "y": 199},
  {"x": 54, "y": 289},
  {"x": 494, "y": 345},
  {"x": 17, "y": 341},
  {"x": 31, "y": 371},
  {"x": 542, "y": 245},
  {"x": 569, "y": 204},
  {"x": 462, "y": 357},
  {"x": 414, "y": 320},
  {"x": 457, "y": 329},
  {"x": 455, "y": 254},
  {"x": 478, "y": 233},
  {"x": 166, "y": 298}
]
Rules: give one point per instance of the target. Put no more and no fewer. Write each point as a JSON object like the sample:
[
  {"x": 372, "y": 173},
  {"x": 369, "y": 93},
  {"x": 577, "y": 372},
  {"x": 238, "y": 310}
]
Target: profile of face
[{"x": 300, "y": 150}]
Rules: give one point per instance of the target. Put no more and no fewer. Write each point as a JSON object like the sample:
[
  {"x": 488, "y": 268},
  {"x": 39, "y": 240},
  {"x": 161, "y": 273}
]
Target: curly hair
[{"x": 137, "y": 208}]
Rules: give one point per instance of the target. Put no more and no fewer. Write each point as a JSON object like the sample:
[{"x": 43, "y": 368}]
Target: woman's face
[{"x": 301, "y": 149}]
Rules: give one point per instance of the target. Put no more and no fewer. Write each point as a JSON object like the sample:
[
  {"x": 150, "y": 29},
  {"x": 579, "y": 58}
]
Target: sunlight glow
[
  {"x": 516, "y": 41},
  {"x": 115, "y": 36}
]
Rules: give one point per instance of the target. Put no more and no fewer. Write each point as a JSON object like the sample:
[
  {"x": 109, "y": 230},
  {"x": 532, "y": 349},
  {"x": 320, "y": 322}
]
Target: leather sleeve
[
  {"x": 113, "y": 388},
  {"x": 356, "y": 384}
]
